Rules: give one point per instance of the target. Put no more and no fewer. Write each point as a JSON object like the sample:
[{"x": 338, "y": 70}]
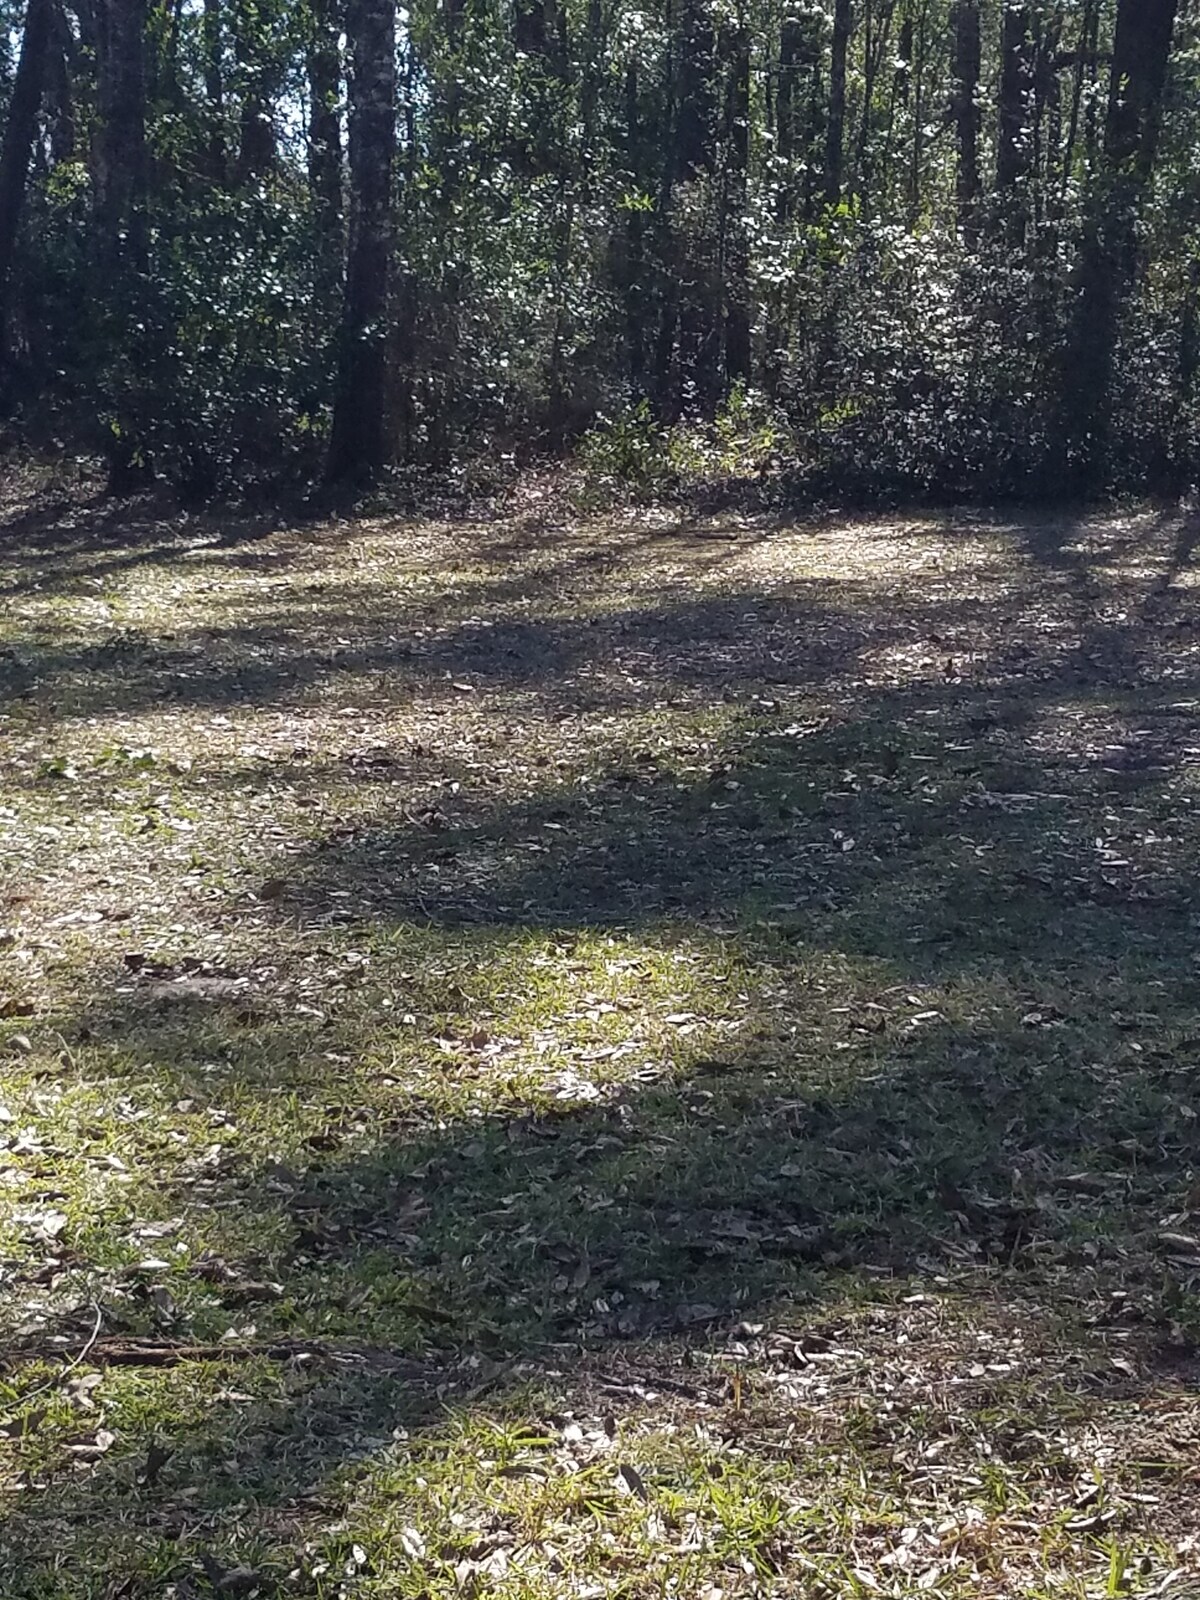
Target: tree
[
  {"x": 359, "y": 444},
  {"x": 1014, "y": 136},
  {"x": 17, "y": 150},
  {"x": 1108, "y": 258},
  {"x": 965, "y": 110},
  {"x": 121, "y": 236},
  {"x": 324, "y": 66},
  {"x": 835, "y": 129}
]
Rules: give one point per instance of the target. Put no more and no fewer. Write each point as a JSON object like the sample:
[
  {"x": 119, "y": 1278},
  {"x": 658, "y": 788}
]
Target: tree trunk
[
  {"x": 214, "y": 88},
  {"x": 967, "y": 64},
  {"x": 19, "y": 133},
  {"x": 1014, "y": 142},
  {"x": 796, "y": 47},
  {"x": 325, "y": 142},
  {"x": 257, "y": 74},
  {"x": 835, "y": 128},
  {"x": 120, "y": 232},
  {"x": 120, "y": 144},
  {"x": 358, "y": 445},
  {"x": 735, "y": 274},
  {"x": 1108, "y": 258}
]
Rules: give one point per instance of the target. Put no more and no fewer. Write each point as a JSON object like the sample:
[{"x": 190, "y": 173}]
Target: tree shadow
[{"x": 953, "y": 902}]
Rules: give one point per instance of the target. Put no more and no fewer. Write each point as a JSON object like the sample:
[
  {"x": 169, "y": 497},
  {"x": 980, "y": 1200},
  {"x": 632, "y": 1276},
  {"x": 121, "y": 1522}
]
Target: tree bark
[
  {"x": 120, "y": 143},
  {"x": 968, "y": 54},
  {"x": 256, "y": 127},
  {"x": 1014, "y": 144},
  {"x": 325, "y": 141},
  {"x": 214, "y": 88},
  {"x": 835, "y": 127},
  {"x": 120, "y": 232},
  {"x": 19, "y": 133},
  {"x": 735, "y": 275},
  {"x": 358, "y": 445},
  {"x": 1108, "y": 258}
]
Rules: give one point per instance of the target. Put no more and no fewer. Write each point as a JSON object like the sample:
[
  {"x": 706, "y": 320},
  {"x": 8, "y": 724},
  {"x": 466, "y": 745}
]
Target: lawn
[{"x": 610, "y": 1056}]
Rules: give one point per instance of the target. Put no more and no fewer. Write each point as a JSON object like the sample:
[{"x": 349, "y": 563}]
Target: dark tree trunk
[
  {"x": 325, "y": 140},
  {"x": 1108, "y": 259},
  {"x": 835, "y": 128},
  {"x": 120, "y": 144},
  {"x": 214, "y": 88},
  {"x": 120, "y": 231},
  {"x": 735, "y": 275},
  {"x": 695, "y": 105},
  {"x": 633, "y": 251},
  {"x": 967, "y": 63},
  {"x": 58, "y": 93},
  {"x": 19, "y": 133},
  {"x": 358, "y": 445},
  {"x": 1014, "y": 140},
  {"x": 255, "y": 72},
  {"x": 796, "y": 48}
]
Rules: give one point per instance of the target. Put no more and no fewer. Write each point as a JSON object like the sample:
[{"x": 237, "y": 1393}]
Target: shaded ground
[{"x": 590, "y": 1059}]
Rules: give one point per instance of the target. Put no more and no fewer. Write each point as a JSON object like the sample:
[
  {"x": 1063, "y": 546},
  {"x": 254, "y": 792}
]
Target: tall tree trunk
[
  {"x": 1014, "y": 138},
  {"x": 968, "y": 54},
  {"x": 325, "y": 141},
  {"x": 253, "y": 49},
  {"x": 835, "y": 127},
  {"x": 1108, "y": 258},
  {"x": 689, "y": 350},
  {"x": 633, "y": 245},
  {"x": 214, "y": 87},
  {"x": 358, "y": 445},
  {"x": 120, "y": 231},
  {"x": 19, "y": 133},
  {"x": 735, "y": 273},
  {"x": 120, "y": 144},
  {"x": 795, "y": 44}
]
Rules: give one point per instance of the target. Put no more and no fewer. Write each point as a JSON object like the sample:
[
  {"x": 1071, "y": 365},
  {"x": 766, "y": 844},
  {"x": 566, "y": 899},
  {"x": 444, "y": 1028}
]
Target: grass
[{"x": 580, "y": 1059}]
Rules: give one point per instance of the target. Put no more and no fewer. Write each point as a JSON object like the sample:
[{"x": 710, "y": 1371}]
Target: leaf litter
[{"x": 556, "y": 1086}]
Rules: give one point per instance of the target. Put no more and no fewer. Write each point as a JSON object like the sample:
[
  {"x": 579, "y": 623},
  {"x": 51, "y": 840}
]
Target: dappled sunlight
[{"x": 734, "y": 987}]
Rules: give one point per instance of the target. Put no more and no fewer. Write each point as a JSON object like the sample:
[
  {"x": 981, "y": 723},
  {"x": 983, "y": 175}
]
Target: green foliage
[
  {"x": 580, "y": 218},
  {"x": 630, "y": 448}
]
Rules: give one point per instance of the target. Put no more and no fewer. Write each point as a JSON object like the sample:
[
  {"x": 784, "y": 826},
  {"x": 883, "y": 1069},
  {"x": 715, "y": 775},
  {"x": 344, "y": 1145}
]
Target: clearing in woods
[{"x": 615, "y": 1058}]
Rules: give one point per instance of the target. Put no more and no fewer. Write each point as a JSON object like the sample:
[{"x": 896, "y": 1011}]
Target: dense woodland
[{"x": 910, "y": 246}]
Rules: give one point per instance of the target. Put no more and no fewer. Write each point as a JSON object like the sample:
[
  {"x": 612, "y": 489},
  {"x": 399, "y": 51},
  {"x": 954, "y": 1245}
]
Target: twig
[{"x": 76, "y": 1361}]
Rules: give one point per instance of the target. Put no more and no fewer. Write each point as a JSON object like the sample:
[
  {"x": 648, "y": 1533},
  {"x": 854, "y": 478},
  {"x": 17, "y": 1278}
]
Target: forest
[
  {"x": 599, "y": 800},
  {"x": 905, "y": 248}
]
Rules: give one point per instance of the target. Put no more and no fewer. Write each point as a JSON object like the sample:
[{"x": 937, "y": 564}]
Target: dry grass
[{"x": 548, "y": 1058}]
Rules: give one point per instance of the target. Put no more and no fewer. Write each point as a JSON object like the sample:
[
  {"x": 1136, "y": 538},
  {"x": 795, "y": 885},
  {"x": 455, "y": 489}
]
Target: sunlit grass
[{"x": 597, "y": 1062}]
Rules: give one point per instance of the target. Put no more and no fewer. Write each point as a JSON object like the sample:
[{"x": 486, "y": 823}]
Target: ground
[{"x": 614, "y": 1056}]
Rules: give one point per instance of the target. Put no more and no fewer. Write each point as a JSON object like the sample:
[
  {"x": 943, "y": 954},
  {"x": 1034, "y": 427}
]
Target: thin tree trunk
[
  {"x": 214, "y": 88},
  {"x": 255, "y": 71},
  {"x": 358, "y": 445},
  {"x": 120, "y": 144},
  {"x": 735, "y": 275},
  {"x": 16, "y": 153},
  {"x": 1014, "y": 144},
  {"x": 793, "y": 39},
  {"x": 1108, "y": 260},
  {"x": 120, "y": 229},
  {"x": 835, "y": 128},
  {"x": 968, "y": 55},
  {"x": 325, "y": 142}
]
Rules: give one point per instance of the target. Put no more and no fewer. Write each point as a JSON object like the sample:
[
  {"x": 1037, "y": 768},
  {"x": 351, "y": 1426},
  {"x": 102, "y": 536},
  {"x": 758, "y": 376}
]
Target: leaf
[
  {"x": 633, "y": 1481},
  {"x": 93, "y": 1446},
  {"x": 412, "y": 1543}
]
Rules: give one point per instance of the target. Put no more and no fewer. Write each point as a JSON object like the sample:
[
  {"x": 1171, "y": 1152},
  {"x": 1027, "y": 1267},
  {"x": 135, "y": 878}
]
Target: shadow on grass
[{"x": 944, "y": 1024}]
